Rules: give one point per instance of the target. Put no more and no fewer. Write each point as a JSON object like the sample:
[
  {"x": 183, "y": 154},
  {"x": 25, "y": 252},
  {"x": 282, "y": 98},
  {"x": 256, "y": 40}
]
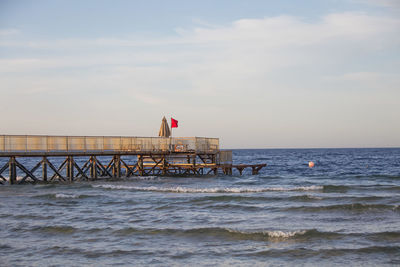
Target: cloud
[
  {"x": 270, "y": 31},
  {"x": 8, "y": 32},
  {"x": 365, "y": 81},
  {"x": 282, "y": 74},
  {"x": 215, "y": 60},
  {"x": 382, "y": 3}
]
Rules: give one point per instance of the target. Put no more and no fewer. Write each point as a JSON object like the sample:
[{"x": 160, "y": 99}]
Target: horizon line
[{"x": 386, "y": 147}]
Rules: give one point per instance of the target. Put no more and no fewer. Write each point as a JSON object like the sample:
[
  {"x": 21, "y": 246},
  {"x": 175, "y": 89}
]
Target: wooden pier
[{"x": 74, "y": 158}]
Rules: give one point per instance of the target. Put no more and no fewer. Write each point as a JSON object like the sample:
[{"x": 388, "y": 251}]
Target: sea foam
[
  {"x": 60, "y": 195},
  {"x": 180, "y": 189}
]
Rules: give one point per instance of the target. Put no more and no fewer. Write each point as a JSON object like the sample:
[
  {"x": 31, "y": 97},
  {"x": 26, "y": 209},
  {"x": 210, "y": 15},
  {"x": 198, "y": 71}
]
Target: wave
[
  {"x": 229, "y": 206},
  {"x": 251, "y": 198},
  {"x": 227, "y": 233},
  {"x": 33, "y": 217},
  {"x": 345, "y": 188},
  {"x": 145, "y": 178},
  {"x": 61, "y": 230},
  {"x": 67, "y": 196},
  {"x": 370, "y": 198},
  {"x": 5, "y": 246},
  {"x": 301, "y": 235},
  {"x": 62, "y": 195},
  {"x": 325, "y": 253},
  {"x": 305, "y": 198},
  {"x": 379, "y": 176},
  {"x": 66, "y": 250},
  {"x": 347, "y": 207},
  {"x": 180, "y": 189},
  {"x": 56, "y": 229},
  {"x": 335, "y": 188},
  {"x": 263, "y": 158},
  {"x": 18, "y": 178},
  {"x": 386, "y": 236}
]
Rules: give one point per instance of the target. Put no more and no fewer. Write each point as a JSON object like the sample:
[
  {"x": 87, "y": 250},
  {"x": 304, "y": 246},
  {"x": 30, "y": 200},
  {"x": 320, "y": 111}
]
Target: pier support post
[
  {"x": 164, "y": 166},
  {"x": 194, "y": 164},
  {"x": 140, "y": 165},
  {"x": 13, "y": 171},
  {"x": 93, "y": 167},
  {"x": 70, "y": 168},
  {"x": 117, "y": 166},
  {"x": 257, "y": 168},
  {"x": 44, "y": 168}
]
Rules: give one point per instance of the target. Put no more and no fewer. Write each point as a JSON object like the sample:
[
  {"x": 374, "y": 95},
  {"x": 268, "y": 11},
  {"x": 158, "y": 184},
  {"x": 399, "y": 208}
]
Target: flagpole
[{"x": 170, "y": 140}]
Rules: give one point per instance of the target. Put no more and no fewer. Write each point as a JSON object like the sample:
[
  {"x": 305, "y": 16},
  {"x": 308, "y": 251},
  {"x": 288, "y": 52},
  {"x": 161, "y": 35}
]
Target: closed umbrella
[{"x": 164, "y": 129}]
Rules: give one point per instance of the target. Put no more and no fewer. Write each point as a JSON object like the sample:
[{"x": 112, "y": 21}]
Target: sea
[{"x": 343, "y": 211}]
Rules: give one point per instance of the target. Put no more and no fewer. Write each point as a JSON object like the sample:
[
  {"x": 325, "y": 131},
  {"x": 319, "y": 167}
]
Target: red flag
[{"x": 174, "y": 123}]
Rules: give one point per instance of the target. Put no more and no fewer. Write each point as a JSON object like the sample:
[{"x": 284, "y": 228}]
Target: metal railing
[
  {"x": 43, "y": 143},
  {"x": 224, "y": 157}
]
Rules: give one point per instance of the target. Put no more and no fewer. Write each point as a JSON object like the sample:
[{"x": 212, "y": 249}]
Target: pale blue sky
[{"x": 260, "y": 74}]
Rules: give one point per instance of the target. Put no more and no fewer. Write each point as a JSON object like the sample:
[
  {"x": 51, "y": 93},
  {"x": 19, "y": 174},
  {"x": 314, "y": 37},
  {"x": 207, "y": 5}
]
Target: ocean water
[{"x": 344, "y": 211}]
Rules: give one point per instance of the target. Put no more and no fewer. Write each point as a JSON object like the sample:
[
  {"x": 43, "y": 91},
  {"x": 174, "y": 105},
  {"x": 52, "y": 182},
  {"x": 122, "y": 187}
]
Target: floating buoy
[{"x": 311, "y": 164}]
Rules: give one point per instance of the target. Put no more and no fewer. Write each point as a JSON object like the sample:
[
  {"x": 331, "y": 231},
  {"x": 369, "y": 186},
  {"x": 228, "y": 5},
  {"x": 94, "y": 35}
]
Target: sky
[{"x": 254, "y": 73}]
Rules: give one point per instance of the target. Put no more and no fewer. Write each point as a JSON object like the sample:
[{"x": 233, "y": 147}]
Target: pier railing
[{"x": 86, "y": 144}]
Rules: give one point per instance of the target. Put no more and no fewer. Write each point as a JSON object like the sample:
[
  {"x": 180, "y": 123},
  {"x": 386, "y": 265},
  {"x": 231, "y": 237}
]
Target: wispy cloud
[
  {"x": 274, "y": 65},
  {"x": 270, "y": 31},
  {"x": 8, "y": 32},
  {"x": 382, "y": 3}
]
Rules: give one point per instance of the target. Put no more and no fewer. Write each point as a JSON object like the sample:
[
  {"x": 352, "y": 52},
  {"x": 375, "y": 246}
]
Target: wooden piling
[
  {"x": 12, "y": 170},
  {"x": 70, "y": 168},
  {"x": 164, "y": 166},
  {"x": 116, "y": 166},
  {"x": 93, "y": 167},
  {"x": 140, "y": 165},
  {"x": 44, "y": 169}
]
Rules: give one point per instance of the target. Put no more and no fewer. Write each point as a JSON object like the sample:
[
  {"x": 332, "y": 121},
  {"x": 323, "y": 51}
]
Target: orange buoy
[{"x": 311, "y": 164}]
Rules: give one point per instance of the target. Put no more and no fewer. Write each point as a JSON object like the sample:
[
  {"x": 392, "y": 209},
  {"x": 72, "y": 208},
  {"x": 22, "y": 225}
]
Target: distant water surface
[{"x": 344, "y": 211}]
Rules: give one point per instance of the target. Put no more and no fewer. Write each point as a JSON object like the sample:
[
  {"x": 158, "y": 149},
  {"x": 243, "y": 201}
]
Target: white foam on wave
[
  {"x": 282, "y": 234},
  {"x": 60, "y": 195},
  {"x": 18, "y": 178},
  {"x": 273, "y": 234},
  {"x": 180, "y": 189},
  {"x": 145, "y": 178}
]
